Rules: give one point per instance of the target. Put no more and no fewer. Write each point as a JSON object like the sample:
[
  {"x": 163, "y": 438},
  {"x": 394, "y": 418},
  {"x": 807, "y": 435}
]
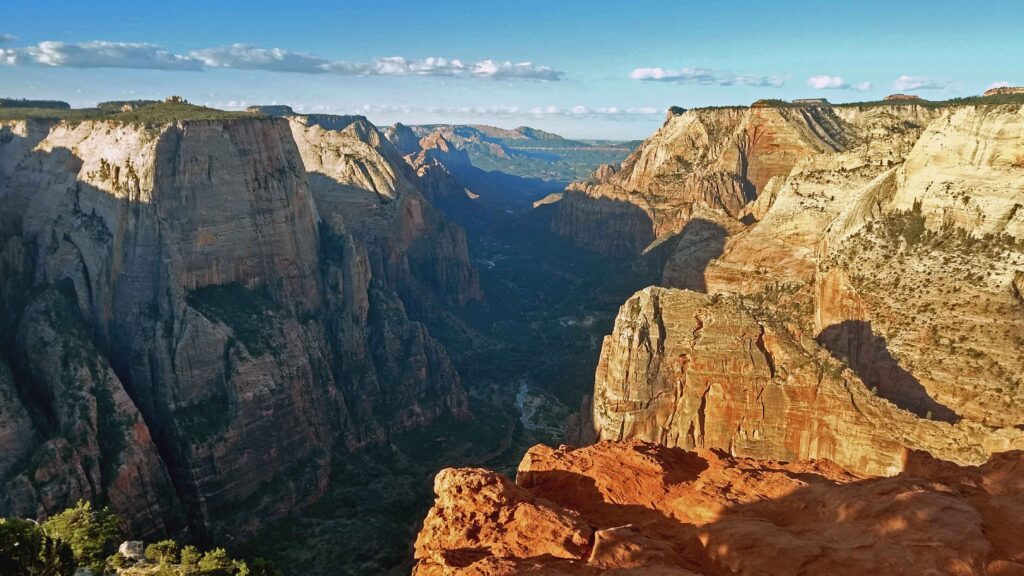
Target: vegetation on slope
[
  {"x": 149, "y": 114},
  {"x": 993, "y": 100},
  {"x": 86, "y": 537}
]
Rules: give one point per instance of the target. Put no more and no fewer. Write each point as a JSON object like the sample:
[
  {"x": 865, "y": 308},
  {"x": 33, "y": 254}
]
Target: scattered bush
[
  {"x": 26, "y": 550},
  {"x": 216, "y": 562},
  {"x": 90, "y": 533},
  {"x": 164, "y": 552}
]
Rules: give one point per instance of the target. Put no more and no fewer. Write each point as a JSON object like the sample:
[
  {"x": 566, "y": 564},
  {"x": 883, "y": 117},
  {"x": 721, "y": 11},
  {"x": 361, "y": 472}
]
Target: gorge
[{"x": 789, "y": 329}]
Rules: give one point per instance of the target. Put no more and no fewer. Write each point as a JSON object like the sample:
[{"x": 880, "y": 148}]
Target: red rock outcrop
[{"x": 638, "y": 508}]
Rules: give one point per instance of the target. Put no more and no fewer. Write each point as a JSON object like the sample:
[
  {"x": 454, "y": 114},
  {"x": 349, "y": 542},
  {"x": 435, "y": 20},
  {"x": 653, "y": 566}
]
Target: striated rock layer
[
  {"x": 690, "y": 370},
  {"x": 639, "y": 508},
  {"x": 883, "y": 246},
  {"x": 721, "y": 158},
  {"x": 192, "y": 329},
  {"x": 897, "y": 252}
]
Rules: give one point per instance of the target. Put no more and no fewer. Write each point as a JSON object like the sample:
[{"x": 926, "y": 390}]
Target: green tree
[
  {"x": 90, "y": 533},
  {"x": 190, "y": 557},
  {"x": 25, "y": 550},
  {"x": 216, "y": 562},
  {"x": 164, "y": 551}
]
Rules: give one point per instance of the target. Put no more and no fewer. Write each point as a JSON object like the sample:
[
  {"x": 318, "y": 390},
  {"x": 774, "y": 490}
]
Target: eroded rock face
[
  {"x": 649, "y": 509},
  {"x": 718, "y": 158},
  {"x": 691, "y": 370},
  {"x": 879, "y": 248},
  {"x": 231, "y": 330}
]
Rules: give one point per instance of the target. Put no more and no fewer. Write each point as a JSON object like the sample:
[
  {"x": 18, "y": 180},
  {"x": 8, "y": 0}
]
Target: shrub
[
  {"x": 90, "y": 533},
  {"x": 164, "y": 551},
  {"x": 216, "y": 562},
  {"x": 116, "y": 561},
  {"x": 28, "y": 551},
  {"x": 262, "y": 567},
  {"x": 190, "y": 557}
]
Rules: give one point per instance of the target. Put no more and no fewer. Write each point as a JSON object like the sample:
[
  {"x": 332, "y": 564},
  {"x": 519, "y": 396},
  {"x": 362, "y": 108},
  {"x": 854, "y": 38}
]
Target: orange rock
[{"x": 648, "y": 509}]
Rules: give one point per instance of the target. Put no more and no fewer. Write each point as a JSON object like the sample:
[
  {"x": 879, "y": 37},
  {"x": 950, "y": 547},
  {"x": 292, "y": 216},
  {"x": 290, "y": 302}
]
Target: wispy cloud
[
  {"x": 912, "y": 83},
  {"x": 826, "y": 82},
  {"x": 577, "y": 112},
  {"x": 999, "y": 84},
  {"x": 705, "y": 76},
  {"x": 247, "y": 57},
  {"x": 100, "y": 54},
  {"x": 7, "y": 38}
]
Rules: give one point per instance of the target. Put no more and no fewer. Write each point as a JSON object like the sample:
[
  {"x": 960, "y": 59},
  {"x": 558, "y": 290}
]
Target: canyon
[
  {"x": 789, "y": 331},
  {"x": 837, "y": 310},
  {"x": 865, "y": 243}
]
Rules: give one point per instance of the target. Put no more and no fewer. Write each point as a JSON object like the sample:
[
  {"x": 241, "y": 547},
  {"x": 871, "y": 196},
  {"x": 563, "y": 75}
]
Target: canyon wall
[
  {"x": 883, "y": 266},
  {"x": 690, "y": 370},
  {"x": 721, "y": 158},
  {"x": 194, "y": 329}
]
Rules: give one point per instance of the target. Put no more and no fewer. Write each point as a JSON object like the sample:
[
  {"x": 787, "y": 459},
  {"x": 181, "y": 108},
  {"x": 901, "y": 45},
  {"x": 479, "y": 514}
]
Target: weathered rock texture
[
  {"x": 691, "y": 370},
  {"x": 884, "y": 244},
  {"x": 192, "y": 332},
  {"x": 638, "y": 508},
  {"x": 719, "y": 158},
  {"x": 897, "y": 250}
]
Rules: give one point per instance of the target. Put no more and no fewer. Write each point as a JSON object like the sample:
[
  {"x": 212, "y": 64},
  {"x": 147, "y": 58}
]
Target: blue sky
[{"x": 595, "y": 69}]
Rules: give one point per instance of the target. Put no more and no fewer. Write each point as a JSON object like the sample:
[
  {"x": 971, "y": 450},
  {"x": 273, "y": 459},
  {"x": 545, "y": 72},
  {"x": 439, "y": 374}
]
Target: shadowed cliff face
[
  {"x": 697, "y": 245},
  {"x": 831, "y": 249},
  {"x": 637, "y": 508},
  {"x": 868, "y": 356},
  {"x": 718, "y": 159},
  {"x": 181, "y": 291},
  {"x": 690, "y": 370},
  {"x": 605, "y": 225}
]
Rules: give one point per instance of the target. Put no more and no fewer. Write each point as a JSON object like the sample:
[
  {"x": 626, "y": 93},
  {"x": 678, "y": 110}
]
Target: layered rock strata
[
  {"x": 690, "y": 370},
  {"x": 191, "y": 328},
  {"x": 638, "y": 508}
]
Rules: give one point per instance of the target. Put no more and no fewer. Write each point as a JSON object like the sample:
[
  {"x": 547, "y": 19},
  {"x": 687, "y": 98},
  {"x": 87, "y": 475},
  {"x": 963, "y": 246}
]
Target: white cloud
[
  {"x": 705, "y": 76},
  {"x": 999, "y": 84},
  {"x": 500, "y": 70},
  {"x": 579, "y": 111},
  {"x": 826, "y": 82},
  {"x": 248, "y": 57},
  {"x": 100, "y": 54},
  {"x": 911, "y": 83}
]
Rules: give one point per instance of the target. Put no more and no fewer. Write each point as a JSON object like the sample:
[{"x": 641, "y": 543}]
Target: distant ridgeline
[
  {"x": 1002, "y": 95},
  {"x": 23, "y": 103},
  {"x": 171, "y": 109},
  {"x": 125, "y": 105}
]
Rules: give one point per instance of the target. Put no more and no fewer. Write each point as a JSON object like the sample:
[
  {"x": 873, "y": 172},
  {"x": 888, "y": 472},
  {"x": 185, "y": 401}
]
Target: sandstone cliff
[
  {"x": 882, "y": 245},
  {"x": 193, "y": 332},
  {"x": 637, "y": 508},
  {"x": 720, "y": 158},
  {"x": 690, "y": 370},
  {"x": 897, "y": 252}
]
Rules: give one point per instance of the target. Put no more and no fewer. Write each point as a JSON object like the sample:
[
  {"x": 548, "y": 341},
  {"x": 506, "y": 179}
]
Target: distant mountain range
[{"x": 530, "y": 152}]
